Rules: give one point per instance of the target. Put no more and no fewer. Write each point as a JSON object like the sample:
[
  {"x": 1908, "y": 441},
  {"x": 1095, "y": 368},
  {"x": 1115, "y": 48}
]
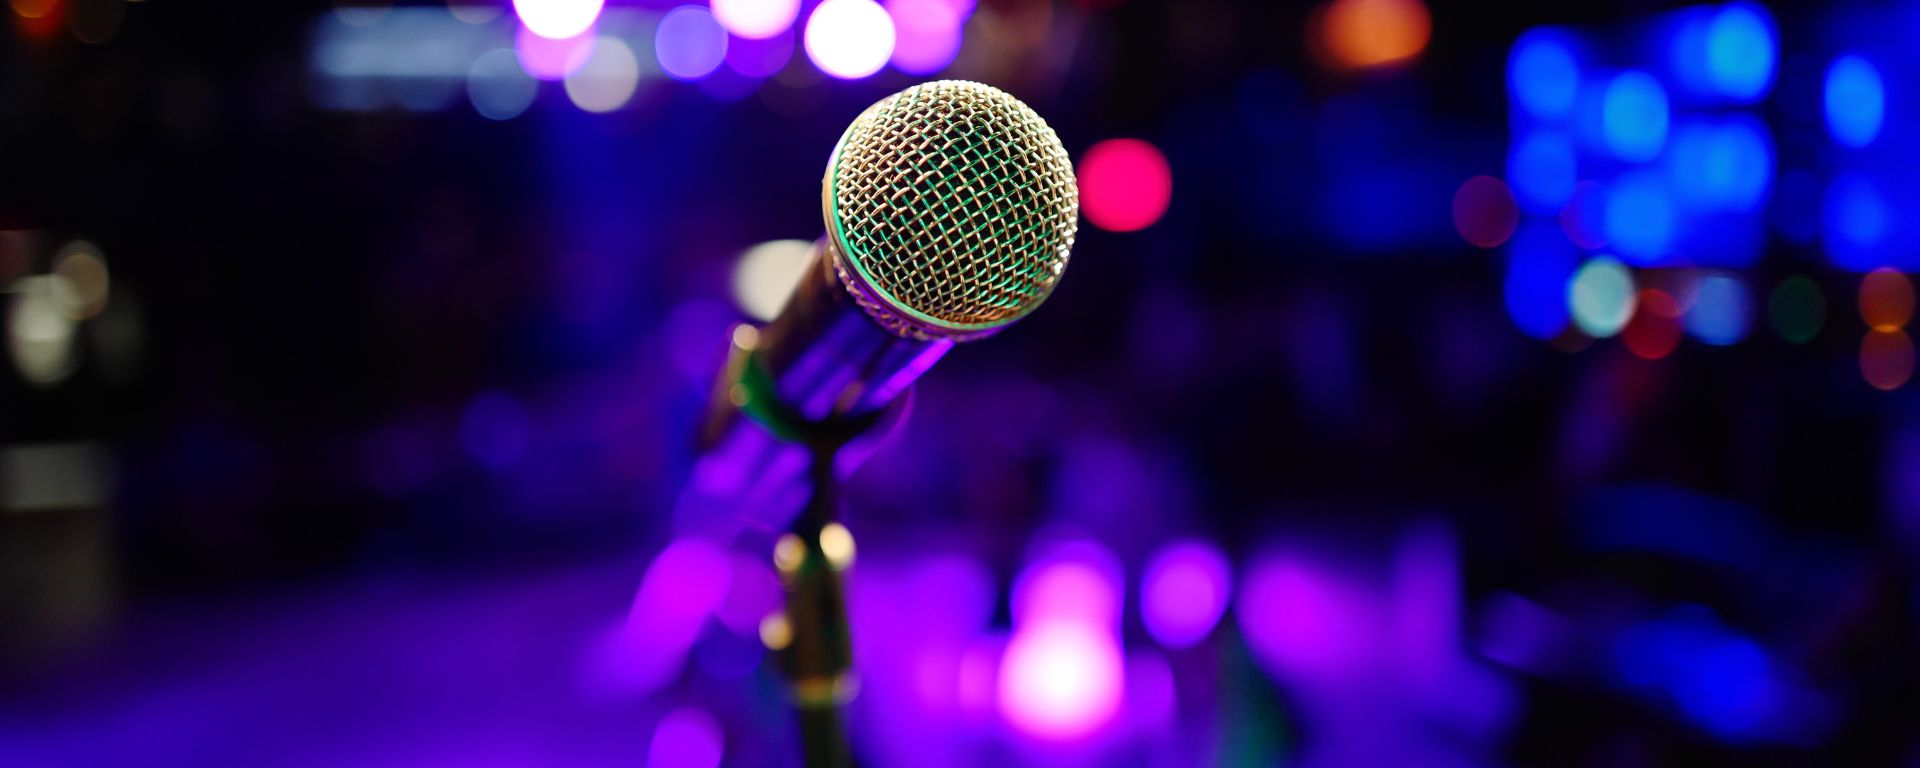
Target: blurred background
[{"x": 1436, "y": 383}]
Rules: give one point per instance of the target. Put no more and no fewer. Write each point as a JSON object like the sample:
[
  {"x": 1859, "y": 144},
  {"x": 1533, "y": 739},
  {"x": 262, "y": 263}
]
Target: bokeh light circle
[
  {"x": 756, "y": 19},
  {"x": 608, "y": 78},
  {"x": 1484, "y": 212},
  {"x": 498, "y": 87},
  {"x": 1061, "y": 680},
  {"x": 1184, "y": 591},
  {"x": 1544, "y": 75},
  {"x": 1798, "y": 309},
  {"x": 1886, "y": 359},
  {"x": 1371, "y": 33},
  {"x": 1886, "y": 299},
  {"x": 551, "y": 59},
  {"x": 926, "y": 35},
  {"x": 1600, "y": 297},
  {"x": 1544, "y": 169},
  {"x": 1740, "y": 51},
  {"x": 689, "y": 43},
  {"x": 1855, "y": 100},
  {"x": 1634, "y": 116},
  {"x": 849, "y": 39},
  {"x": 1125, "y": 185},
  {"x": 1654, "y": 331},
  {"x": 1721, "y": 312},
  {"x": 557, "y": 19},
  {"x": 687, "y": 738}
]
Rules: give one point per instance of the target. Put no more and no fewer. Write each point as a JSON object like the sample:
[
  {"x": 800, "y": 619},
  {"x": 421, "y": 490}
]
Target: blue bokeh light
[
  {"x": 1856, "y": 101},
  {"x": 1855, "y": 219},
  {"x": 1543, "y": 74},
  {"x": 1543, "y": 170},
  {"x": 1720, "y": 167},
  {"x": 1740, "y": 52},
  {"x": 1540, "y": 262},
  {"x": 1639, "y": 219},
  {"x": 1634, "y": 116},
  {"x": 1719, "y": 678},
  {"x": 1722, "y": 310}
]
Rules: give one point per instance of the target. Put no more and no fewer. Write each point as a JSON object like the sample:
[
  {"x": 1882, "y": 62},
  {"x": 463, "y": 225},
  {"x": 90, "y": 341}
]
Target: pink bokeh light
[
  {"x": 1125, "y": 185},
  {"x": 926, "y": 35},
  {"x": 1061, "y": 680},
  {"x": 1184, "y": 592},
  {"x": 549, "y": 59}
]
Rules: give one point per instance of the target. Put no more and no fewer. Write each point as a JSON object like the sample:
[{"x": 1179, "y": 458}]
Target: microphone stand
[{"x": 811, "y": 558}]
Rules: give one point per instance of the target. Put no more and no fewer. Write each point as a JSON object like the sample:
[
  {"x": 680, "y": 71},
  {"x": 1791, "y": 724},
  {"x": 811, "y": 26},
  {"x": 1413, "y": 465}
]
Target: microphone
[{"x": 950, "y": 211}]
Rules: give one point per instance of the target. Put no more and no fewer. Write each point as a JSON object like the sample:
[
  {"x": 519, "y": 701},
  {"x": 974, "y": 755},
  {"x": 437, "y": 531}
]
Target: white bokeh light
[
  {"x": 756, "y": 19},
  {"x": 557, "y": 19},
  {"x": 849, "y": 39},
  {"x": 607, "y": 80}
]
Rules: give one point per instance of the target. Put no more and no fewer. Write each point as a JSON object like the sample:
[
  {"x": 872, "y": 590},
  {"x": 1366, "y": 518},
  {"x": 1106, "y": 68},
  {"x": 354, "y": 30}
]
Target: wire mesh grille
[{"x": 956, "y": 204}]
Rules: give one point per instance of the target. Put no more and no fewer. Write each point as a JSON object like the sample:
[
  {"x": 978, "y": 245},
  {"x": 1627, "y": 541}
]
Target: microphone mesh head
[{"x": 951, "y": 208}]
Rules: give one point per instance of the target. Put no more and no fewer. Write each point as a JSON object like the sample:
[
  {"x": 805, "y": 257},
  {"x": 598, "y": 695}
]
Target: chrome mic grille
[{"x": 951, "y": 209}]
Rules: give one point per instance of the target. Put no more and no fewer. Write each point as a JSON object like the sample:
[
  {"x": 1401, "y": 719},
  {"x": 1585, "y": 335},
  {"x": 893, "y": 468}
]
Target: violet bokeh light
[
  {"x": 1063, "y": 677},
  {"x": 1301, "y": 620},
  {"x": 686, "y": 738},
  {"x": 1184, "y": 592},
  {"x": 550, "y": 59},
  {"x": 760, "y": 58},
  {"x": 689, "y": 43},
  {"x": 683, "y": 587},
  {"x": 926, "y": 35},
  {"x": 1074, "y": 581}
]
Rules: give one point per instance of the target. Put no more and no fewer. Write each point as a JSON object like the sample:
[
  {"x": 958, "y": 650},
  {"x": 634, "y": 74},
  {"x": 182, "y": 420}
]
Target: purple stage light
[
  {"x": 686, "y": 738},
  {"x": 1075, "y": 581},
  {"x": 1061, "y": 680},
  {"x": 682, "y": 588},
  {"x": 1302, "y": 621},
  {"x": 689, "y": 43},
  {"x": 761, "y": 58},
  {"x": 1184, "y": 592},
  {"x": 550, "y": 59},
  {"x": 926, "y": 35}
]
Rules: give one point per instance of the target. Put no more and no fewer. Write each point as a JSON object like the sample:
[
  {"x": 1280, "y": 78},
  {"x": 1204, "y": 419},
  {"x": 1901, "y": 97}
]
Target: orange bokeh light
[
  {"x": 1886, "y": 359},
  {"x": 1886, "y": 300},
  {"x": 1360, "y": 34}
]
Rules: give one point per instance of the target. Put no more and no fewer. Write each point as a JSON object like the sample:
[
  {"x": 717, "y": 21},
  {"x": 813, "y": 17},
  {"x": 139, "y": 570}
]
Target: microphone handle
[{"x": 823, "y": 365}]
